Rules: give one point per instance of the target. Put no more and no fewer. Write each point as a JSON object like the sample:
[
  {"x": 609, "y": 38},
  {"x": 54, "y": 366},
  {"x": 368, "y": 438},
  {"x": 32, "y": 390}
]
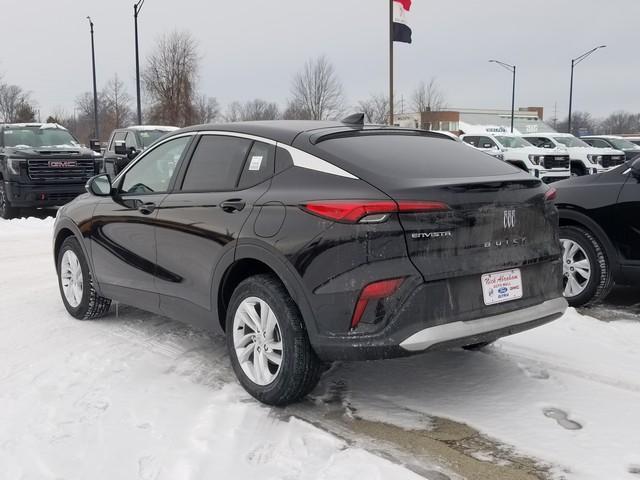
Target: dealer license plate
[{"x": 501, "y": 287}]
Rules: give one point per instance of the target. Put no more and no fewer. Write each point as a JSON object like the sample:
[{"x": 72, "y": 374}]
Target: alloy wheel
[
  {"x": 257, "y": 340},
  {"x": 575, "y": 267},
  {"x": 71, "y": 278}
]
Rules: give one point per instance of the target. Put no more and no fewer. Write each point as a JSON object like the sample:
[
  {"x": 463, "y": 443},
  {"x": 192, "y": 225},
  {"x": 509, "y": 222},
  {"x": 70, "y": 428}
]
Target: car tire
[
  {"x": 582, "y": 254},
  {"x": 76, "y": 284},
  {"x": 578, "y": 171},
  {"x": 278, "y": 334},
  {"x": 6, "y": 210}
]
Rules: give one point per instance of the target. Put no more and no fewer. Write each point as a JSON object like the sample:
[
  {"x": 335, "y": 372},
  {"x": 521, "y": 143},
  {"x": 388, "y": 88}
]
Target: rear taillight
[
  {"x": 374, "y": 291},
  {"x": 550, "y": 195},
  {"x": 368, "y": 211}
]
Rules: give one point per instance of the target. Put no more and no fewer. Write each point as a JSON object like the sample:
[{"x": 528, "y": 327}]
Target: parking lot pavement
[{"x": 162, "y": 399}]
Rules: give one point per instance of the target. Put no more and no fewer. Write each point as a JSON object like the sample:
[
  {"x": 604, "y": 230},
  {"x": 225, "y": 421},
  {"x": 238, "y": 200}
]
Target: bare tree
[
  {"x": 260, "y": 110},
  {"x": 580, "y": 122},
  {"x": 317, "y": 91},
  {"x": 15, "y": 104},
  {"x": 117, "y": 103},
  {"x": 256, "y": 109},
  {"x": 207, "y": 109},
  {"x": 295, "y": 111},
  {"x": 620, "y": 122},
  {"x": 170, "y": 79},
  {"x": 375, "y": 108},
  {"x": 428, "y": 97},
  {"x": 233, "y": 112}
]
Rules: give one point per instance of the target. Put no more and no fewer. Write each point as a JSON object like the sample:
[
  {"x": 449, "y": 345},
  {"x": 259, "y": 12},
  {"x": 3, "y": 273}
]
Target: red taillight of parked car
[
  {"x": 368, "y": 211},
  {"x": 550, "y": 195},
  {"x": 374, "y": 291}
]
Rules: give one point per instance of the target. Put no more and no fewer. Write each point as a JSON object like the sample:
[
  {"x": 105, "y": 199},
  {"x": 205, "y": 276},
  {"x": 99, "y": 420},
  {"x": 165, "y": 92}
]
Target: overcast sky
[{"x": 251, "y": 48}]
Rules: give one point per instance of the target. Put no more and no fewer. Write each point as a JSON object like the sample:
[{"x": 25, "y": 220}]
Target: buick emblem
[{"x": 509, "y": 219}]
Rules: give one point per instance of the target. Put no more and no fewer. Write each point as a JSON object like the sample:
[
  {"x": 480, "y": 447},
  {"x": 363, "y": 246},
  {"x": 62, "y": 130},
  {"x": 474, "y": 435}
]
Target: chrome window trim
[{"x": 300, "y": 158}]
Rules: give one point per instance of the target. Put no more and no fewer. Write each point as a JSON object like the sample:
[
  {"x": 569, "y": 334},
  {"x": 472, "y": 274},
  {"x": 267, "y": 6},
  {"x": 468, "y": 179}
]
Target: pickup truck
[
  {"x": 42, "y": 165},
  {"x": 548, "y": 166},
  {"x": 585, "y": 159}
]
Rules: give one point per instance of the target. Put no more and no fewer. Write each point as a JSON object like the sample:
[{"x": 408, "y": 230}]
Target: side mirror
[
  {"x": 120, "y": 148},
  {"x": 100, "y": 185},
  {"x": 635, "y": 169},
  {"x": 95, "y": 145},
  {"x": 132, "y": 153}
]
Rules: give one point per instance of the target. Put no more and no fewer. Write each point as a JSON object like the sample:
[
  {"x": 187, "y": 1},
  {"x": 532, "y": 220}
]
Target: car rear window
[{"x": 410, "y": 157}]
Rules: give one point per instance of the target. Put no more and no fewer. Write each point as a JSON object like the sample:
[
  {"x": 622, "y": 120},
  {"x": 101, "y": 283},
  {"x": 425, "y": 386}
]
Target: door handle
[
  {"x": 233, "y": 205},
  {"x": 147, "y": 208}
]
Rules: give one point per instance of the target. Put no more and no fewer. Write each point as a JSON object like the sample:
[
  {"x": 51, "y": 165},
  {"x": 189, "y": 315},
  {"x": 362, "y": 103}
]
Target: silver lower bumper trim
[{"x": 450, "y": 331}]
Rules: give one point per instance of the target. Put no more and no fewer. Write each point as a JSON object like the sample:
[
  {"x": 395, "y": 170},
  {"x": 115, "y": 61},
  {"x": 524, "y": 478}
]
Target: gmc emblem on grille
[
  {"x": 63, "y": 164},
  {"x": 509, "y": 219}
]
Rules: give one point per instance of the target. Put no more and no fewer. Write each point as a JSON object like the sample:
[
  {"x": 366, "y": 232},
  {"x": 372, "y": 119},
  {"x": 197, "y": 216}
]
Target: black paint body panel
[{"x": 176, "y": 260}]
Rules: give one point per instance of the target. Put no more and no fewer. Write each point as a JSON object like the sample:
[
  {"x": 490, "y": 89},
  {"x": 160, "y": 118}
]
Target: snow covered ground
[{"x": 139, "y": 396}]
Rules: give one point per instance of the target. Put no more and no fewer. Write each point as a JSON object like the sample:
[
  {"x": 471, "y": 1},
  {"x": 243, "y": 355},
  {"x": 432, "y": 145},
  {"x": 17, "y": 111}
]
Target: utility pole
[
  {"x": 95, "y": 87},
  {"x": 574, "y": 62},
  {"x": 136, "y": 11},
  {"x": 512, "y": 69}
]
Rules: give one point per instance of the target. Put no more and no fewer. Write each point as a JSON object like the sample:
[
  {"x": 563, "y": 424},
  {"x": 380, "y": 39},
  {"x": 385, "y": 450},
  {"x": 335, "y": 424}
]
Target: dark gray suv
[{"x": 126, "y": 143}]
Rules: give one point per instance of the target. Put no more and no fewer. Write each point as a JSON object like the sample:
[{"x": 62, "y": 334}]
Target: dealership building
[{"x": 472, "y": 120}]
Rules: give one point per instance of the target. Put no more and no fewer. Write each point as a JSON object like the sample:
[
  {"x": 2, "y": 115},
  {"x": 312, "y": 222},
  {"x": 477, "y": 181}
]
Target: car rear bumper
[
  {"x": 28, "y": 195},
  {"x": 476, "y": 331},
  {"x": 447, "y": 313}
]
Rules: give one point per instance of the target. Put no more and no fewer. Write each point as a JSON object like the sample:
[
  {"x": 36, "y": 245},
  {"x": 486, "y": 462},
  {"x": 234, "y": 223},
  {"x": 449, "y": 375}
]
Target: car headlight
[
  {"x": 594, "y": 158},
  {"x": 14, "y": 165},
  {"x": 535, "y": 159}
]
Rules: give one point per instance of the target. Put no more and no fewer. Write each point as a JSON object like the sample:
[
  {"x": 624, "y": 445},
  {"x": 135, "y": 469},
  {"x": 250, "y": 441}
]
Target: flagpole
[{"x": 391, "y": 62}]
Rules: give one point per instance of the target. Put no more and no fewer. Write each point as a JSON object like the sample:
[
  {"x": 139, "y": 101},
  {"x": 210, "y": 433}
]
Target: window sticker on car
[{"x": 256, "y": 162}]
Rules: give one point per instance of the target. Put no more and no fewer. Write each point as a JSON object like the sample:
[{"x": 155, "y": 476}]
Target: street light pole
[
  {"x": 574, "y": 62},
  {"x": 136, "y": 11},
  {"x": 512, "y": 69},
  {"x": 95, "y": 87}
]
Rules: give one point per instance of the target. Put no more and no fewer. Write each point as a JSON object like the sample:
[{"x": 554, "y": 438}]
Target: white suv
[
  {"x": 548, "y": 166},
  {"x": 585, "y": 159}
]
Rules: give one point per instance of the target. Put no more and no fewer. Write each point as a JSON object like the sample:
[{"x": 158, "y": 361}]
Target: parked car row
[{"x": 553, "y": 156}]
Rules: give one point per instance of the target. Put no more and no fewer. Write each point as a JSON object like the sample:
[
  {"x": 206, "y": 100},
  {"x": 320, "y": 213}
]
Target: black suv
[
  {"x": 126, "y": 143},
  {"x": 41, "y": 165},
  {"x": 630, "y": 149},
  {"x": 316, "y": 241},
  {"x": 600, "y": 232}
]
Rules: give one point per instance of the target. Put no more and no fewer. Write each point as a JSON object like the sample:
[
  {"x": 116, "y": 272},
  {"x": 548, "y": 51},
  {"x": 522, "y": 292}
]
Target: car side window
[
  {"x": 130, "y": 141},
  {"x": 596, "y": 142},
  {"x": 486, "y": 142},
  {"x": 471, "y": 141},
  {"x": 117, "y": 137},
  {"x": 153, "y": 172},
  {"x": 545, "y": 143},
  {"x": 216, "y": 164},
  {"x": 259, "y": 165}
]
